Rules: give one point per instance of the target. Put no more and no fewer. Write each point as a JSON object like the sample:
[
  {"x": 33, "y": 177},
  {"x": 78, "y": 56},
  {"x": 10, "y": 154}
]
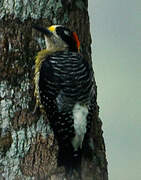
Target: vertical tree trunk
[{"x": 27, "y": 148}]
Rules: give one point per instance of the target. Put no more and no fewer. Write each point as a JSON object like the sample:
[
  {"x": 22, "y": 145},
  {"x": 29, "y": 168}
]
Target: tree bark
[{"x": 27, "y": 146}]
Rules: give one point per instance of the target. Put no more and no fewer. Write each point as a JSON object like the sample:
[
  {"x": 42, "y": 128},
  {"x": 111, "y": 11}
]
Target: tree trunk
[{"x": 27, "y": 147}]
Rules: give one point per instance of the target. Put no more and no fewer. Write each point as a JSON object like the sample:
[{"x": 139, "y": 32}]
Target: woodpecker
[{"x": 64, "y": 89}]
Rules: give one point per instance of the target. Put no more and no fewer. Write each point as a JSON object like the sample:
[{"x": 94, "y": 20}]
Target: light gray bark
[{"x": 27, "y": 149}]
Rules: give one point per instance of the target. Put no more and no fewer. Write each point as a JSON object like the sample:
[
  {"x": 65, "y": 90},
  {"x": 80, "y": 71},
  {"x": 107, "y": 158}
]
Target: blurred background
[{"x": 116, "y": 52}]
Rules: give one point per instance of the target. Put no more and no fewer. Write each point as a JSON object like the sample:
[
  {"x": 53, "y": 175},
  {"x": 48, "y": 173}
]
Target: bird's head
[{"x": 60, "y": 37}]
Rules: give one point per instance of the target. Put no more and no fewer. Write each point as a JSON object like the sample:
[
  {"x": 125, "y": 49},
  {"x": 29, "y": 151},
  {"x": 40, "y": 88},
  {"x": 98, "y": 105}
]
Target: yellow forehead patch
[{"x": 51, "y": 28}]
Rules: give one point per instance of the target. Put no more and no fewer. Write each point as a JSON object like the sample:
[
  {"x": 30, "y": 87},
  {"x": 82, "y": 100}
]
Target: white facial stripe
[{"x": 67, "y": 33}]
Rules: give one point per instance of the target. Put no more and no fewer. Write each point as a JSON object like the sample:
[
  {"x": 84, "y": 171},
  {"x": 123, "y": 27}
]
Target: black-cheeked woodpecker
[{"x": 64, "y": 88}]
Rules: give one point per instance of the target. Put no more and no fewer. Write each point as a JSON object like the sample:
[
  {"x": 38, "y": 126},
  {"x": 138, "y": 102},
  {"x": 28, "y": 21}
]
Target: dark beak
[{"x": 43, "y": 30}]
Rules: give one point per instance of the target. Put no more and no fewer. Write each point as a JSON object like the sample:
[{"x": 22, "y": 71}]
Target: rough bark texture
[{"x": 27, "y": 147}]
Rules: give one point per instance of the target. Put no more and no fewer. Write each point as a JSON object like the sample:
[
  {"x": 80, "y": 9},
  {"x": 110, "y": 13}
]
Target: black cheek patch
[{"x": 67, "y": 36}]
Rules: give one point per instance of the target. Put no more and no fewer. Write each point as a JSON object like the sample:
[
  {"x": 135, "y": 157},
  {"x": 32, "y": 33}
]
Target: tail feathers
[{"x": 69, "y": 158}]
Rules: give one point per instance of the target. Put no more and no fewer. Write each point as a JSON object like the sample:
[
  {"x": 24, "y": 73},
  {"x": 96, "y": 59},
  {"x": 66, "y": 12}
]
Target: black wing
[{"x": 65, "y": 78}]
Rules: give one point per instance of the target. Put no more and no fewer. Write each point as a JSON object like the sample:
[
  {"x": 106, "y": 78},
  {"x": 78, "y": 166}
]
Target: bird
[{"x": 65, "y": 91}]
